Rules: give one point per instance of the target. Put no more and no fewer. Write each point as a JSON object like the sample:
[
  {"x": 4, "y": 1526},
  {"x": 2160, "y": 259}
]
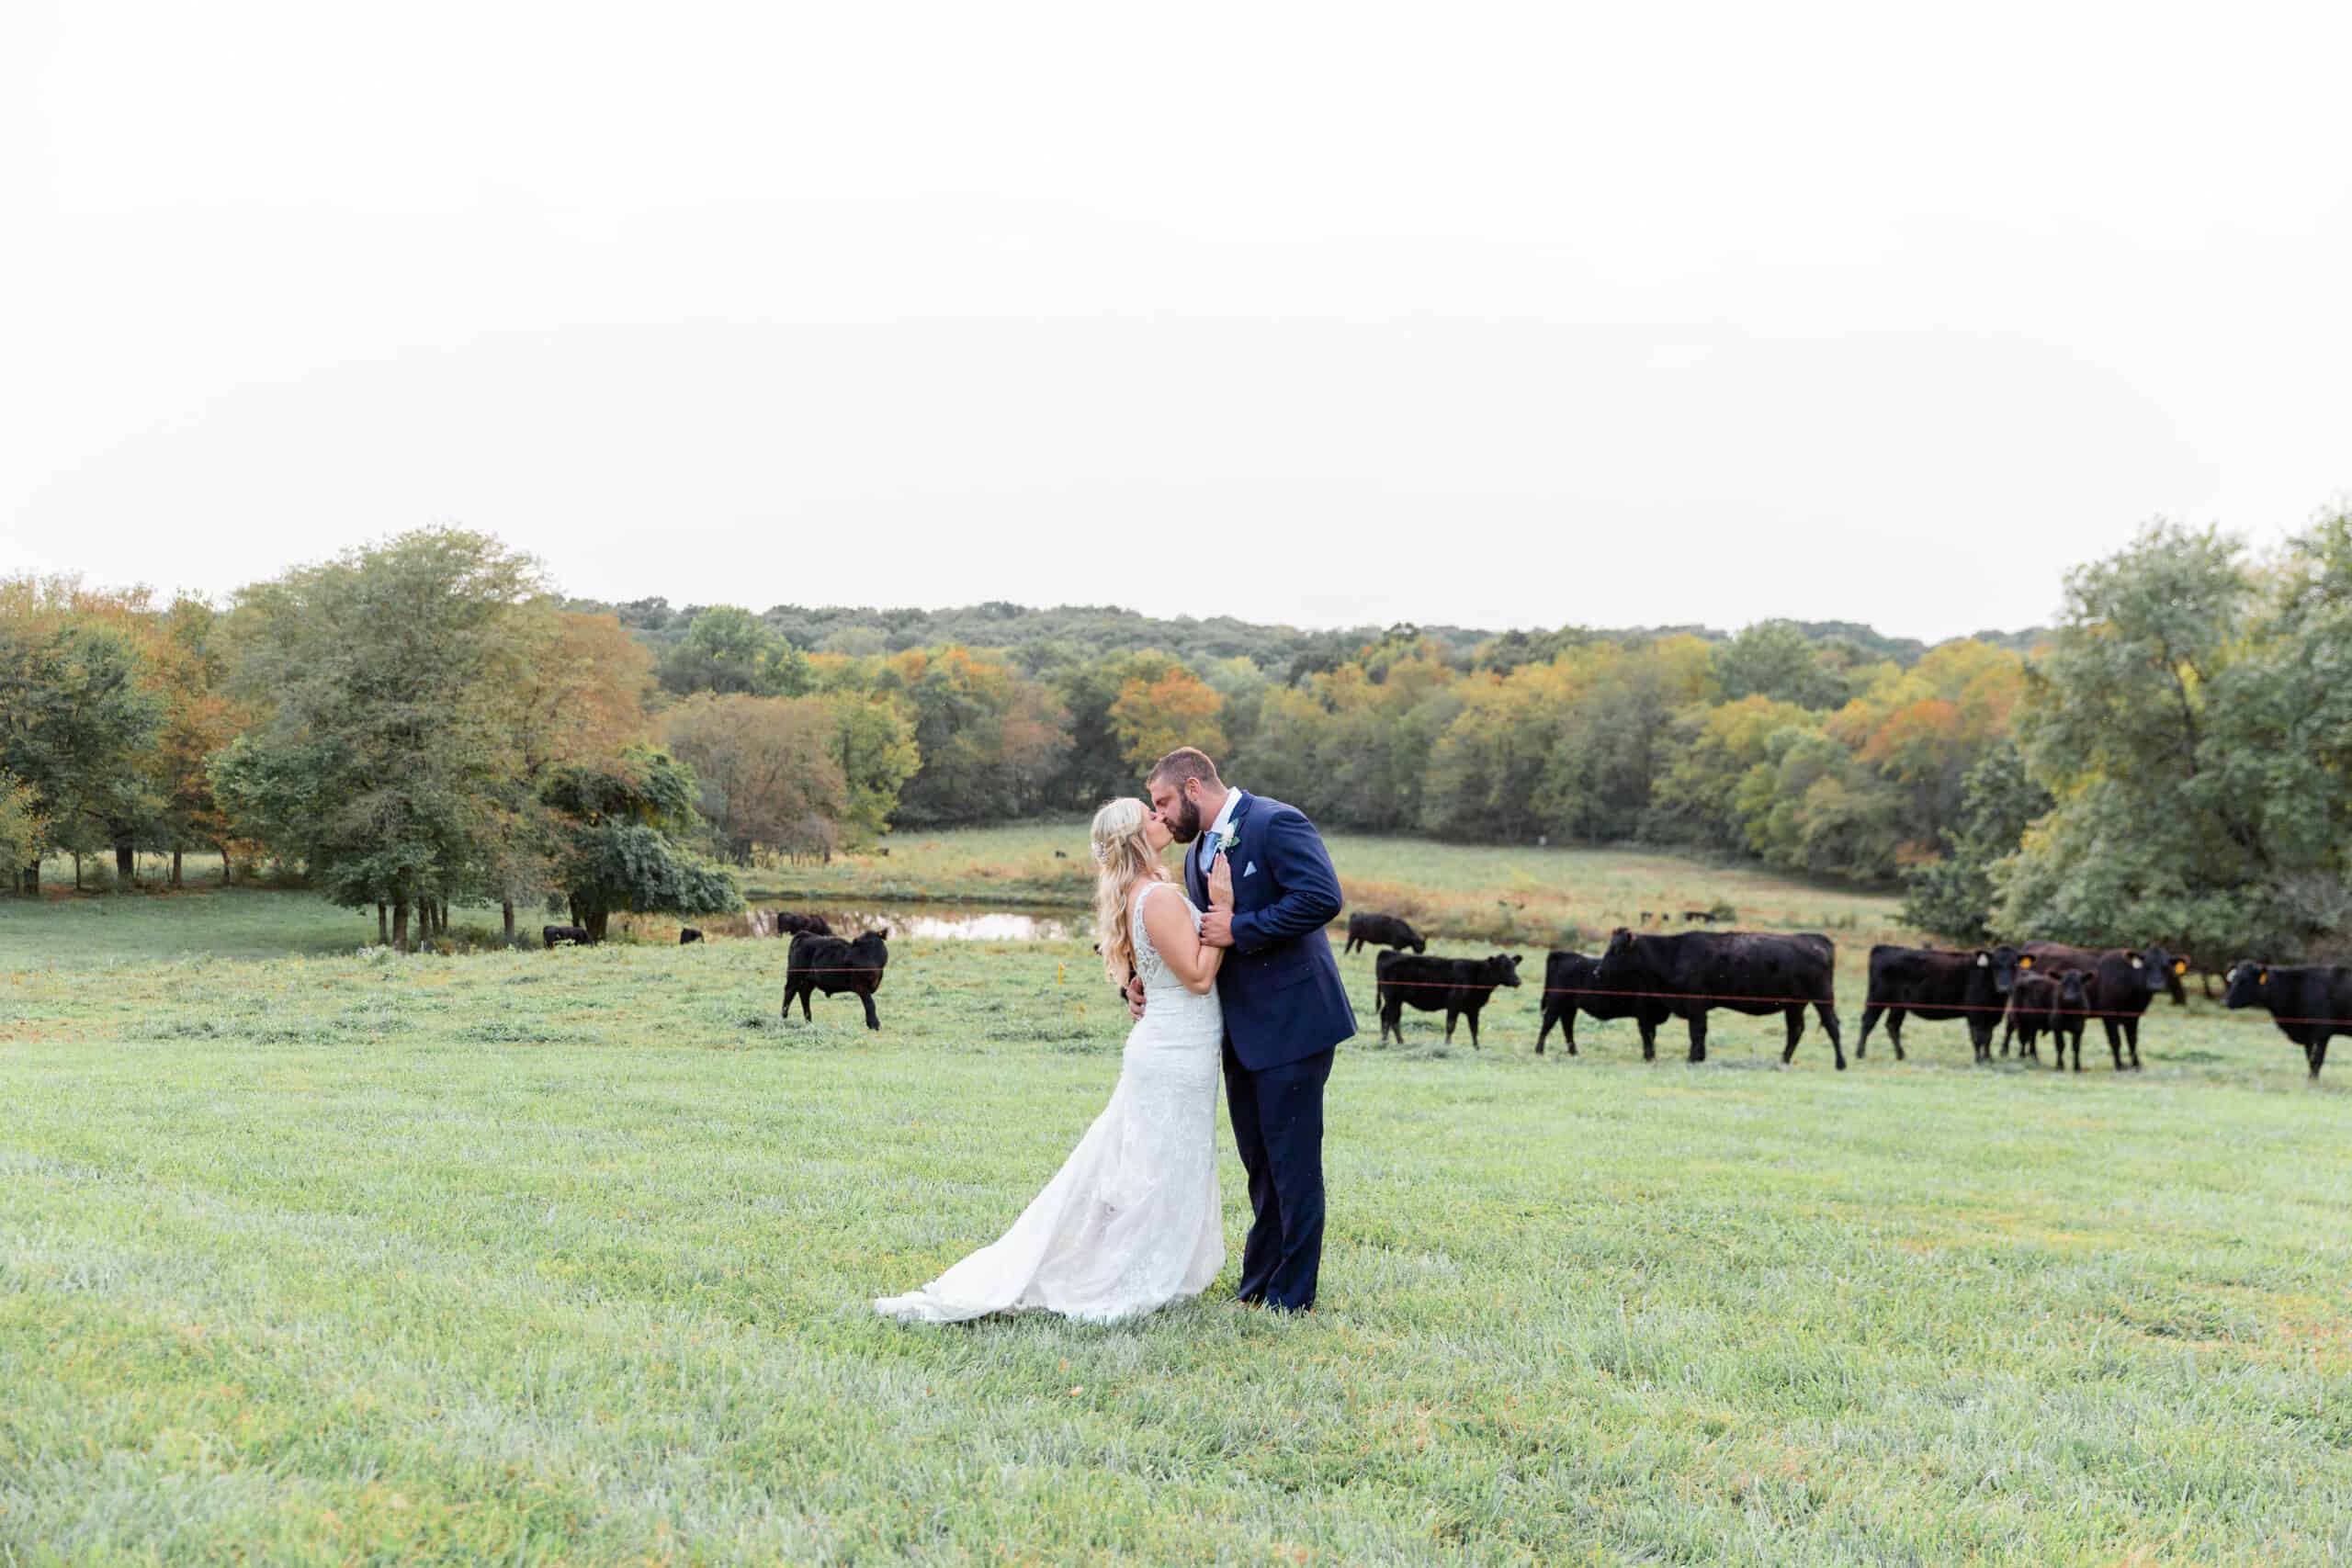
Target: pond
[{"x": 947, "y": 922}]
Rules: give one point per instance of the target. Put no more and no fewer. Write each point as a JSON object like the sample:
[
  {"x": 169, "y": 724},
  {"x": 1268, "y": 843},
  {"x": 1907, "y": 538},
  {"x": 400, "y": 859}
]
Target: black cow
[
  {"x": 793, "y": 925},
  {"x": 1937, "y": 983},
  {"x": 687, "y": 934},
  {"x": 2123, "y": 979},
  {"x": 1458, "y": 986},
  {"x": 2058, "y": 1001},
  {"x": 1382, "y": 930},
  {"x": 1569, "y": 986},
  {"x": 830, "y": 965},
  {"x": 2309, "y": 1003},
  {"x": 1748, "y": 971},
  {"x": 563, "y": 936}
]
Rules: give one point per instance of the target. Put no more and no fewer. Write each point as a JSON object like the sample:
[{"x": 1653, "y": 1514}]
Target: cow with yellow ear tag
[{"x": 2121, "y": 982}]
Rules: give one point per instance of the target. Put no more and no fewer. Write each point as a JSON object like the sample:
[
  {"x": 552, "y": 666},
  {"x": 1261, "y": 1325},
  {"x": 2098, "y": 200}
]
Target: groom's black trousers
[{"x": 1278, "y": 1122}]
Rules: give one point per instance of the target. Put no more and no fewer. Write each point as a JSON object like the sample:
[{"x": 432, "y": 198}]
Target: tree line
[{"x": 427, "y": 720}]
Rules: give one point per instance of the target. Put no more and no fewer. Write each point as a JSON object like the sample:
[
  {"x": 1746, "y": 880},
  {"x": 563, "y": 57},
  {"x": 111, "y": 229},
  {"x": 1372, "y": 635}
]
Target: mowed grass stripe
[{"x": 564, "y": 1257}]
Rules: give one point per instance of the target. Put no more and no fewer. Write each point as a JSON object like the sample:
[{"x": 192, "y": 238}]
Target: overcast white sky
[{"x": 1490, "y": 315}]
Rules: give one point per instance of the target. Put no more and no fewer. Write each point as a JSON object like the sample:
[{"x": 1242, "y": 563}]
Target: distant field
[
  {"x": 317, "y": 1257},
  {"x": 1538, "y": 896}
]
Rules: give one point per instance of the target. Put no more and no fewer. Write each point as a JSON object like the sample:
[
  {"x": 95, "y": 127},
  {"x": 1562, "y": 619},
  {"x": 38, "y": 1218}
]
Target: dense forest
[{"x": 429, "y": 719}]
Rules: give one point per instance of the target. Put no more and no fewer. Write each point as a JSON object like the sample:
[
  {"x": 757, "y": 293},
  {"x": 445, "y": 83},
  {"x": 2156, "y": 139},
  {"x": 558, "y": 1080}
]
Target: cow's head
[
  {"x": 2074, "y": 991},
  {"x": 2155, "y": 969},
  {"x": 2246, "y": 984},
  {"x": 2001, "y": 963},
  {"x": 1620, "y": 941},
  {"x": 1420, "y": 945},
  {"x": 2165, "y": 971},
  {"x": 1502, "y": 968}
]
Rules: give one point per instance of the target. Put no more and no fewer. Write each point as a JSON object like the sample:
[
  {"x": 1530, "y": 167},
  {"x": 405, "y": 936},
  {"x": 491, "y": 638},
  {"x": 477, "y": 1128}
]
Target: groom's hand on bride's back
[{"x": 1134, "y": 996}]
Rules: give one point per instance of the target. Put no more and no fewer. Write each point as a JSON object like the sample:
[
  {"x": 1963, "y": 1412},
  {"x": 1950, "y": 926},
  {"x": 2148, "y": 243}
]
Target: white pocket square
[{"x": 1250, "y": 870}]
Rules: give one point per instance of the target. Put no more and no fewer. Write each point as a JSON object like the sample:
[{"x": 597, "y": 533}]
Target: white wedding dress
[{"x": 1132, "y": 1221}]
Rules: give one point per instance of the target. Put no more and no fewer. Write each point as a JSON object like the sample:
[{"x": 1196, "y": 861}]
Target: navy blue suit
[{"x": 1284, "y": 1012}]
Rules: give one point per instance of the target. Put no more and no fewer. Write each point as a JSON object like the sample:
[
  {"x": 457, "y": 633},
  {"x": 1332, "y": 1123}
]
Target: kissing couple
[{"x": 1231, "y": 969}]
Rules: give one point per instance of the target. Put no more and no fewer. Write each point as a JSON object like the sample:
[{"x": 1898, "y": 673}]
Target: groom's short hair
[{"x": 1184, "y": 763}]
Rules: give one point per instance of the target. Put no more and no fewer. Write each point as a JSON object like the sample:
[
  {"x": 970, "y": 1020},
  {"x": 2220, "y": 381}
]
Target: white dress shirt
[{"x": 1224, "y": 819}]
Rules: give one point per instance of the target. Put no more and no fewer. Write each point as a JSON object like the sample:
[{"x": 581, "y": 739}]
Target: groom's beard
[{"x": 1187, "y": 824}]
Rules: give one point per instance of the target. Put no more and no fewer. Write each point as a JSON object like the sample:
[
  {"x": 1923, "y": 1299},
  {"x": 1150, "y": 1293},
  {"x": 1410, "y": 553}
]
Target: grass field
[{"x": 310, "y": 1254}]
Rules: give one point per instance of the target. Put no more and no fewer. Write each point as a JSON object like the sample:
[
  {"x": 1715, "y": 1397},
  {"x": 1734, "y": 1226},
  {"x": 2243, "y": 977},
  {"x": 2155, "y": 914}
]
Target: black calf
[
  {"x": 1457, "y": 986},
  {"x": 828, "y": 964}
]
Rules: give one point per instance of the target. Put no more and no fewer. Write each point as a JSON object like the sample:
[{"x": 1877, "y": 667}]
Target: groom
[{"x": 1284, "y": 1007}]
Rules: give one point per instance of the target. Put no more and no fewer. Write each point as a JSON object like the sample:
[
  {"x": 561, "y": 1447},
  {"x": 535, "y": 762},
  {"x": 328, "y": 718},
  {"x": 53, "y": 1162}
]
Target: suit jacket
[{"x": 1279, "y": 985}]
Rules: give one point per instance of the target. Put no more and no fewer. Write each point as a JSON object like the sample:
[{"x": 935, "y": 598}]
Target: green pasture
[{"x": 314, "y": 1254}]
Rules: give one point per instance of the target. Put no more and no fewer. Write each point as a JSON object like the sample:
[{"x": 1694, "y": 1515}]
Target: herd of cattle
[{"x": 2026, "y": 991}]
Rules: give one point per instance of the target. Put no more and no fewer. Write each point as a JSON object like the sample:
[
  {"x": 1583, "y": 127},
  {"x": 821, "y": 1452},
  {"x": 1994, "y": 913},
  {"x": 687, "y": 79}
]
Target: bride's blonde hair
[{"x": 1124, "y": 863}]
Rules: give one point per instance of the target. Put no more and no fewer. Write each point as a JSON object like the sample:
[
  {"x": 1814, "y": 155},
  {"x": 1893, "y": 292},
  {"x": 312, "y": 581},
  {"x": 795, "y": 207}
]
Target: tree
[
  {"x": 765, "y": 765},
  {"x": 75, "y": 717},
  {"x": 2192, "y": 721},
  {"x": 391, "y": 678},
  {"x": 990, "y": 742},
  {"x": 1810, "y": 806},
  {"x": 874, "y": 746},
  {"x": 1776, "y": 660},
  {"x": 1153, "y": 717},
  {"x": 1484, "y": 770},
  {"x": 728, "y": 650},
  {"x": 1953, "y": 895},
  {"x": 1618, "y": 702},
  {"x": 190, "y": 662},
  {"x": 581, "y": 700},
  {"x": 625, "y": 828},
  {"x": 2158, "y": 831},
  {"x": 24, "y": 832}
]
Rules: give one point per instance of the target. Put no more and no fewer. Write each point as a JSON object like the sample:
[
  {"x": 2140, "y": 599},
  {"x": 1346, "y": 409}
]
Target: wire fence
[{"x": 1933, "y": 1011}]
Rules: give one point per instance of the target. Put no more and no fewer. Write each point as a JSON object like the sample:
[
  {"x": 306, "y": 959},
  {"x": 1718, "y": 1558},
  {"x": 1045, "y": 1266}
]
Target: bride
[{"x": 1132, "y": 1221}]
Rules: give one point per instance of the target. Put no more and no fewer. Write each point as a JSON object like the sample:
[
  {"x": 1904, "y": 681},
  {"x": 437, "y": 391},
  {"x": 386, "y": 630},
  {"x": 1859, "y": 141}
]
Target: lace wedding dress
[{"x": 1132, "y": 1221}]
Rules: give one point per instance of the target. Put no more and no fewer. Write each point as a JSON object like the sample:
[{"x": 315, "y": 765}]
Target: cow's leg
[
  {"x": 1795, "y": 1018},
  {"x": 873, "y": 1021},
  {"x": 1827, "y": 1012},
  {"x": 1550, "y": 1017},
  {"x": 2318, "y": 1054},
  {"x": 2131, "y": 1039},
  {"x": 1473, "y": 1016},
  {"x": 1569, "y": 1028},
  {"x": 807, "y": 989},
  {"x": 1980, "y": 1036},
  {"x": 1893, "y": 1034},
  {"x": 1450, "y": 1014},
  {"x": 1649, "y": 1038},
  {"x": 1699, "y": 1035},
  {"x": 1870, "y": 1012}
]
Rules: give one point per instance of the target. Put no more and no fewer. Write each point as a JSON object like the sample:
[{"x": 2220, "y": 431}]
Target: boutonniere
[{"x": 1227, "y": 842}]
